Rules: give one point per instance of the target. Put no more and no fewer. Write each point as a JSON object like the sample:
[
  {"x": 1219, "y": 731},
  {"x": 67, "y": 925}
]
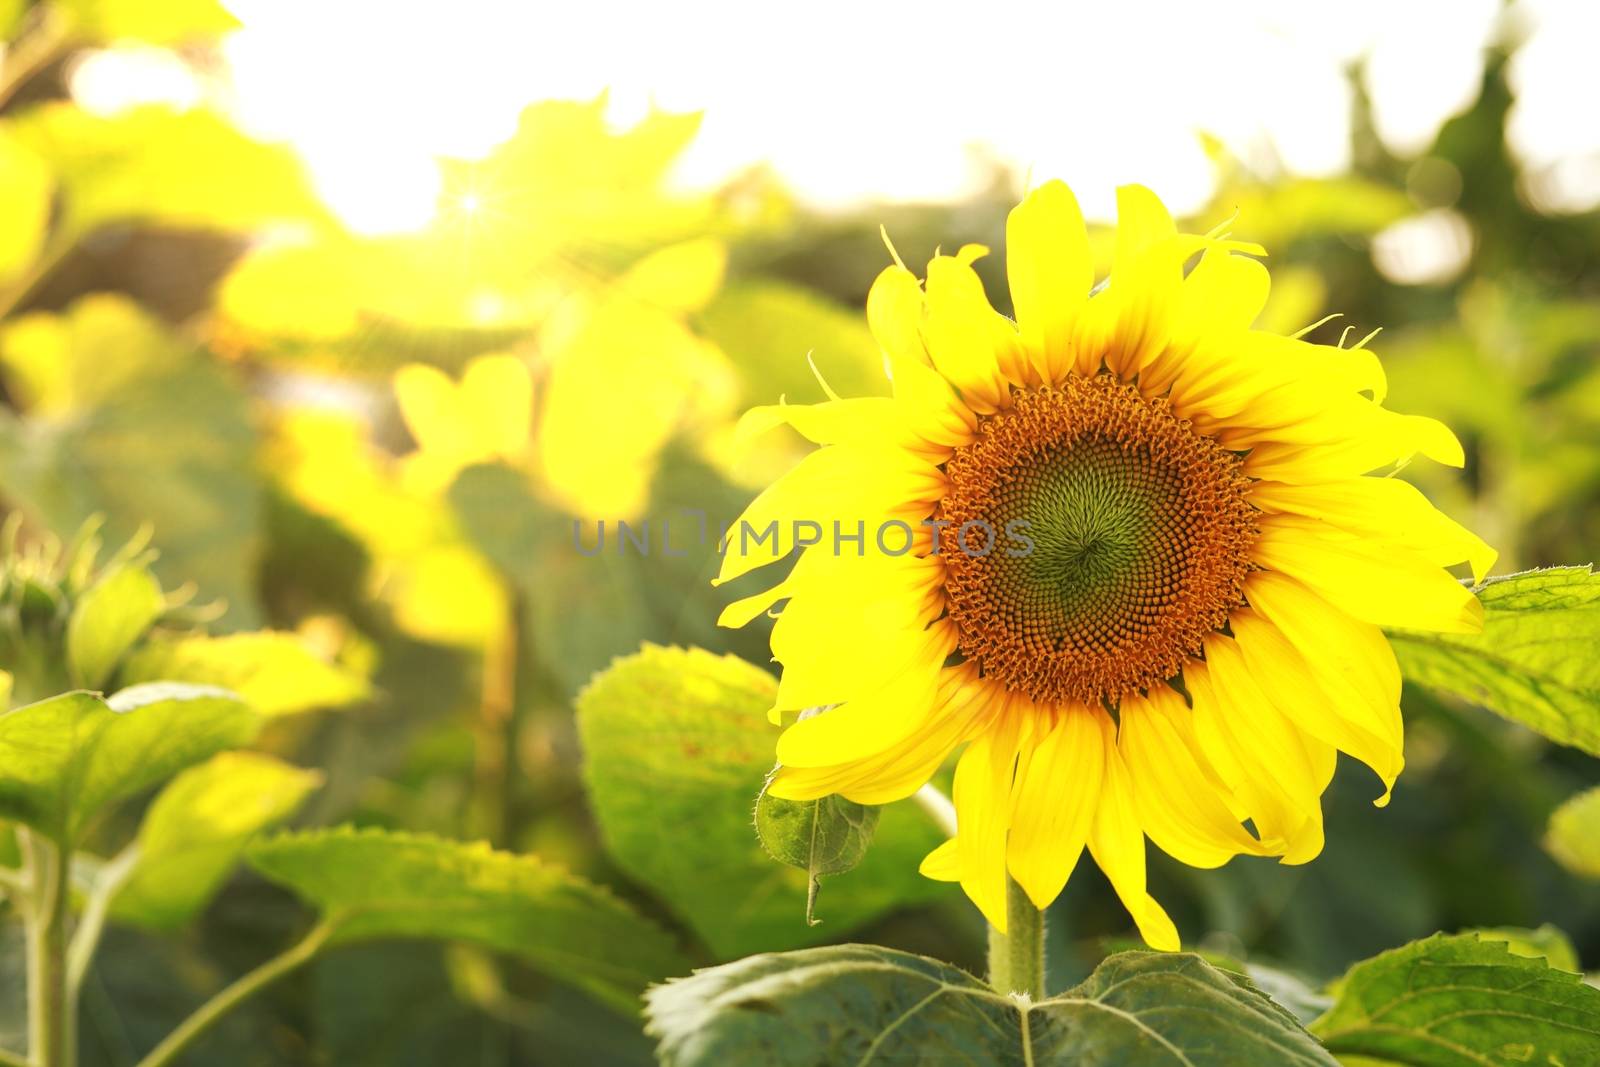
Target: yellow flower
[{"x": 1163, "y": 618}]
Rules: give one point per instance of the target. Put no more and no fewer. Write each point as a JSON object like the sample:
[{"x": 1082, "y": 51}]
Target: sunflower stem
[{"x": 1016, "y": 957}]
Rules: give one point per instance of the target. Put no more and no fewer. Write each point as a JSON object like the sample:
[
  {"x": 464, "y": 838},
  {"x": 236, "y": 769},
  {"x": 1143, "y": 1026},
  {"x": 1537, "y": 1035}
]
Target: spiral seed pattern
[{"x": 1142, "y": 533}]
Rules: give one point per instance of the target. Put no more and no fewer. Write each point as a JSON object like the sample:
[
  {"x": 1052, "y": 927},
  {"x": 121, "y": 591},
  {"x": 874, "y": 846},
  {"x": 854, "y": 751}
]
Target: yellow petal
[
  {"x": 1050, "y": 271},
  {"x": 964, "y": 706},
  {"x": 894, "y": 315},
  {"x": 1181, "y": 803},
  {"x": 1377, "y": 582},
  {"x": 1384, "y": 509},
  {"x": 866, "y": 724},
  {"x": 1286, "y": 680},
  {"x": 850, "y": 484},
  {"x": 1117, "y": 844},
  {"x": 982, "y": 796},
  {"x": 942, "y": 864},
  {"x": 1058, "y": 781},
  {"x": 1275, "y": 771},
  {"x": 1352, "y": 660},
  {"x": 968, "y": 341},
  {"x": 831, "y": 422}
]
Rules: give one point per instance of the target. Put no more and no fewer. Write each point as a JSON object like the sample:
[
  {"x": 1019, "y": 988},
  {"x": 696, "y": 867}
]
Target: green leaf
[
  {"x": 675, "y": 743},
  {"x": 1544, "y": 943},
  {"x": 197, "y": 828},
  {"x": 579, "y": 610},
  {"x": 745, "y": 319},
  {"x": 1573, "y": 837},
  {"x": 859, "y": 1004},
  {"x": 375, "y": 884},
  {"x": 1533, "y": 663},
  {"x": 110, "y": 616},
  {"x": 1458, "y": 1001},
  {"x": 275, "y": 673},
  {"x": 825, "y": 836},
  {"x": 63, "y": 759}
]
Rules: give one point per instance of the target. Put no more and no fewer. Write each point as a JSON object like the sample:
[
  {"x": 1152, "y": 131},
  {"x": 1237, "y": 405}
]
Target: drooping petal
[
  {"x": 1117, "y": 844},
  {"x": 982, "y": 796},
  {"x": 1352, "y": 660},
  {"x": 1275, "y": 770},
  {"x": 1180, "y": 801},
  {"x": 1059, "y": 779},
  {"x": 1286, "y": 680}
]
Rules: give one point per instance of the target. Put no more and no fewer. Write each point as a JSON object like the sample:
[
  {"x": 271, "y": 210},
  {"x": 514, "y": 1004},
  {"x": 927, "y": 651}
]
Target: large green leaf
[
  {"x": 63, "y": 759},
  {"x": 1573, "y": 837},
  {"x": 110, "y": 616},
  {"x": 275, "y": 673},
  {"x": 1534, "y": 662},
  {"x": 1458, "y": 1001},
  {"x": 375, "y": 884},
  {"x": 197, "y": 828},
  {"x": 676, "y": 746},
  {"x": 860, "y": 1004}
]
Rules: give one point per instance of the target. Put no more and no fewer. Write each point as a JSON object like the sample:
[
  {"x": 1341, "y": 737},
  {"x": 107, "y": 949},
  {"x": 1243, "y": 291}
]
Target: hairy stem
[
  {"x": 1016, "y": 957},
  {"x": 212, "y": 1011}
]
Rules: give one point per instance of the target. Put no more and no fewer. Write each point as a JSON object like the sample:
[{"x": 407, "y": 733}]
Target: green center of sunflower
[{"x": 1130, "y": 538}]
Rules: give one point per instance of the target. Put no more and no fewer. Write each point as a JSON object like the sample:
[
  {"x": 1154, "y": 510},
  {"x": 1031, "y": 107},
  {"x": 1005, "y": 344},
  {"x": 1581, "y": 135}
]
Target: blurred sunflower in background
[{"x": 1180, "y": 627}]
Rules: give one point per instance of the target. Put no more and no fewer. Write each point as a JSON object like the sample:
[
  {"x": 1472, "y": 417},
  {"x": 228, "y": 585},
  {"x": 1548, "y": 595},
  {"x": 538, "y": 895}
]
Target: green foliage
[
  {"x": 745, "y": 318},
  {"x": 1461, "y": 1001},
  {"x": 1546, "y": 943},
  {"x": 676, "y": 746},
  {"x": 825, "y": 836},
  {"x": 861, "y": 1004},
  {"x": 1574, "y": 834},
  {"x": 64, "y": 759},
  {"x": 372, "y": 884},
  {"x": 197, "y": 829},
  {"x": 86, "y": 446},
  {"x": 1534, "y": 662},
  {"x": 275, "y": 673},
  {"x": 110, "y": 616}
]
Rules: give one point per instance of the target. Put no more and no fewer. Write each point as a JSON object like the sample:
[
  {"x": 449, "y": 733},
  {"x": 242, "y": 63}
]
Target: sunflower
[{"x": 1129, "y": 555}]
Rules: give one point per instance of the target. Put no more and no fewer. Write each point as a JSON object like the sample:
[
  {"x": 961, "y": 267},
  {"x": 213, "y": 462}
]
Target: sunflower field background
[{"x": 314, "y": 673}]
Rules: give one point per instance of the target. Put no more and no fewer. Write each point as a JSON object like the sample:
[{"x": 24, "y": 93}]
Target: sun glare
[{"x": 372, "y": 95}]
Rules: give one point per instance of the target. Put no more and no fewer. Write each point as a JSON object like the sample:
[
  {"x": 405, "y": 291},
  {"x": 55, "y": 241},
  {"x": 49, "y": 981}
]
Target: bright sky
[{"x": 858, "y": 101}]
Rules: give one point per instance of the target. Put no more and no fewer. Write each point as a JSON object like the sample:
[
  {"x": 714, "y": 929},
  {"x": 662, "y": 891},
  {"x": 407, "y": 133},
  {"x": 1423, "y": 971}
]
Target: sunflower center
[{"x": 1141, "y": 533}]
